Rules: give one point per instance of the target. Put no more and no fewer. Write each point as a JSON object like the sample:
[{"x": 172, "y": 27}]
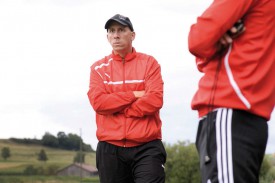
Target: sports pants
[
  {"x": 141, "y": 164},
  {"x": 231, "y": 145}
]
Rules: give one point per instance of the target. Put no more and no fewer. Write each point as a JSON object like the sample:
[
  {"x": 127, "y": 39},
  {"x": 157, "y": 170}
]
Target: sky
[{"x": 48, "y": 46}]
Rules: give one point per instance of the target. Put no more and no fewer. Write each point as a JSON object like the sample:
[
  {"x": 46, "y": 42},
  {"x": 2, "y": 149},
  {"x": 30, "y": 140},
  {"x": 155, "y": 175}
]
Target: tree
[
  {"x": 42, "y": 156},
  {"x": 69, "y": 142},
  {"x": 267, "y": 173},
  {"x": 265, "y": 167},
  {"x": 182, "y": 164},
  {"x": 87, "y": 148},
  {"x": 49, "y": 140},
  {"x": 75, "y": 141},
  {"x": 79, "y": 158},
  {"x": 63, "y": 140},
  {"x": 5, "y": 152}
]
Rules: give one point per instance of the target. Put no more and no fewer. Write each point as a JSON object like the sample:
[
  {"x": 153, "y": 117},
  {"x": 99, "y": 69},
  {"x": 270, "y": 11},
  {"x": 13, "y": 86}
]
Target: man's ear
[
  {"x": 107, "y": 37},
  {"x": 133, "y": 36}
]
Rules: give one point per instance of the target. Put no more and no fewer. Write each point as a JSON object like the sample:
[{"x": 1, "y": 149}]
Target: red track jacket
[
  {"x": 122, "y": 119},
  {"x": 246, "y": 79}
]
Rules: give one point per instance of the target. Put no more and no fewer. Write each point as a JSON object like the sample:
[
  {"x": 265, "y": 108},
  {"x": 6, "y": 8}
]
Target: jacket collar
[{"x": 128, "y": 57}]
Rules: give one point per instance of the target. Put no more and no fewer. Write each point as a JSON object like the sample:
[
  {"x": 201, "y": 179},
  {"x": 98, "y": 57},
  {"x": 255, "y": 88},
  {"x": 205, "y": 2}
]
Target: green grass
[
  {"x": 46, "y": 179},
  {"x": 11, "y": 170}
]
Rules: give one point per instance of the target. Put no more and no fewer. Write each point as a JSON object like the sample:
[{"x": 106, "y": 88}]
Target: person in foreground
[
  {"x": 236, "y": 93},
  {"x": 126, "y": 92}
]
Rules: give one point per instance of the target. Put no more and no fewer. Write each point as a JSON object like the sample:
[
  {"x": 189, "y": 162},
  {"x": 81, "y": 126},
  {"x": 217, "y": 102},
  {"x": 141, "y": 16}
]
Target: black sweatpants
[
  {"x": 141, "y": 164},
  {"x": 231, "y": 144}
]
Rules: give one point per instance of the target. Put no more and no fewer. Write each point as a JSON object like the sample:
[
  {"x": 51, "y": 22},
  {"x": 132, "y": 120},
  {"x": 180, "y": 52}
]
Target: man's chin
[{"x": 118, "y": 48}]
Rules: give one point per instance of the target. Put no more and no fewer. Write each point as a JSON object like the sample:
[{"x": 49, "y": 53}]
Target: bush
[
  {"x": 182, "y": 163},
  {"x": 30, "y": 170},
  {"x": 6, "y": 153},
  {"x": 51, "y": 170}
]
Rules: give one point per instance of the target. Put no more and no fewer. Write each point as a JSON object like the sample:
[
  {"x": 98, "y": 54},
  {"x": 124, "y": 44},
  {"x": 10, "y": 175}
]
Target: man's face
[{"x": 120, "y": 38}]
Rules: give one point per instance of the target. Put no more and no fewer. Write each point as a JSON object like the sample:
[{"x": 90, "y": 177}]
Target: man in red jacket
[
  {"x": 236, "y": 94},
  {"x": 126, "y": 92}
]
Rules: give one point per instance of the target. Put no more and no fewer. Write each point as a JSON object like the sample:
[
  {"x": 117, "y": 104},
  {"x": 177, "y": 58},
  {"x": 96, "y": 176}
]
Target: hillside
[{"x": 24, "y": 155}]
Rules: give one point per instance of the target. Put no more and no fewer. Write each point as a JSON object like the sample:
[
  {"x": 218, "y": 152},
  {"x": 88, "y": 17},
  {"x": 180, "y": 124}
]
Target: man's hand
[
  {"x": 139, "y": 94},
  {"x": 234, "y": 32},
  {"x": 237, "y": 29},
  {"x": 231, "y": 34}
]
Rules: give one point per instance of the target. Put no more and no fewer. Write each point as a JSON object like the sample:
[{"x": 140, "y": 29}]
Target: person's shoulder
[
  {"x": 144, "y": 56},
  {"x": 102, "y": 61}
]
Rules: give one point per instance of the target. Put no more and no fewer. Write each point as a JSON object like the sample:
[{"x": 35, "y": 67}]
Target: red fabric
[
  {"x": 246, "y": 79},
  {"x": 122, "y": 119}
]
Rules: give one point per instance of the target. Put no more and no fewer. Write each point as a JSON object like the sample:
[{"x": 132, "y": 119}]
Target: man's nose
[{"x": 116, "y": 34}]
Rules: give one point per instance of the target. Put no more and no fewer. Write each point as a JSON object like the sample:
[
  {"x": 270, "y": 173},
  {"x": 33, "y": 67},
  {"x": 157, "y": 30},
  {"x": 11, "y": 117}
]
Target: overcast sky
[{"x": 48, "y": 46}]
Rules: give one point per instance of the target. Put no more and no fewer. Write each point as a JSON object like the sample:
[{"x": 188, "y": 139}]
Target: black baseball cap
[{"x": 120, "y": 19}]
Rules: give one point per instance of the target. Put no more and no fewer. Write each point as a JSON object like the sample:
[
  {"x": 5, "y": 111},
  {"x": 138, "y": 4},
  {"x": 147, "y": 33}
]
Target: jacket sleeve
[
  {"x": 219, "y": 17},
  {"x": 152, "y": 101},
  {"x": 102, "y": 101}
]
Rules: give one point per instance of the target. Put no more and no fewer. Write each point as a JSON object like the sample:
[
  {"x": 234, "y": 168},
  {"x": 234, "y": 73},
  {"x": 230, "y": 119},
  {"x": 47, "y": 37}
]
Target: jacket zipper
[{"x": 123, "y": 64}]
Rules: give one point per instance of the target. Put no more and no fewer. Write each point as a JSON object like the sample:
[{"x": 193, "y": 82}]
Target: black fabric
[
  {"x": 237, "y": 142},
  {"x": 141, "y": 164},
  {"x": 120, "y": 19}
]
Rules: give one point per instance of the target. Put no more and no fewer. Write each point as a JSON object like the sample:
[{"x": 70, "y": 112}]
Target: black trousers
[
  {"x": 231, "y": 144},
  {"x": 141, "y": 164}
]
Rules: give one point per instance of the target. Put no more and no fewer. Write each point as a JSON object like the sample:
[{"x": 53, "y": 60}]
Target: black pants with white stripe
[{"x": 231, "y": 145}]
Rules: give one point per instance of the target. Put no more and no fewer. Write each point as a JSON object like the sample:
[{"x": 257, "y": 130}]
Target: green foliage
[
  {"x": 11, "y": 179},
  {"x": 265, "y": 167},
  {"x": 182, "y": 163},
  {"x": 42, "y": 156},
  {"x": 90, "y": 180},
  {"x": 26, "y": 141},
  {"x": 62, "y": 141},
  {"x": 267, "y": 173},
  {"x": 32, "y": 170},
  {"x": 5, "y": 153},
  {"x": 46, "y": 179},
  {"x": 70, "y": 141},
  {"x": 49, "y": 140},
  {"x": 52, "y": 169},
  {"x": 79, "y": 157}
]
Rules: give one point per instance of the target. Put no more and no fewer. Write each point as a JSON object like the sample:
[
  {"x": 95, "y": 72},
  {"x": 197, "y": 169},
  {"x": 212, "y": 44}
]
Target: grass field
[
  {"x": 11, "y": 170},
  {"x": 46, "y": 179}
]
